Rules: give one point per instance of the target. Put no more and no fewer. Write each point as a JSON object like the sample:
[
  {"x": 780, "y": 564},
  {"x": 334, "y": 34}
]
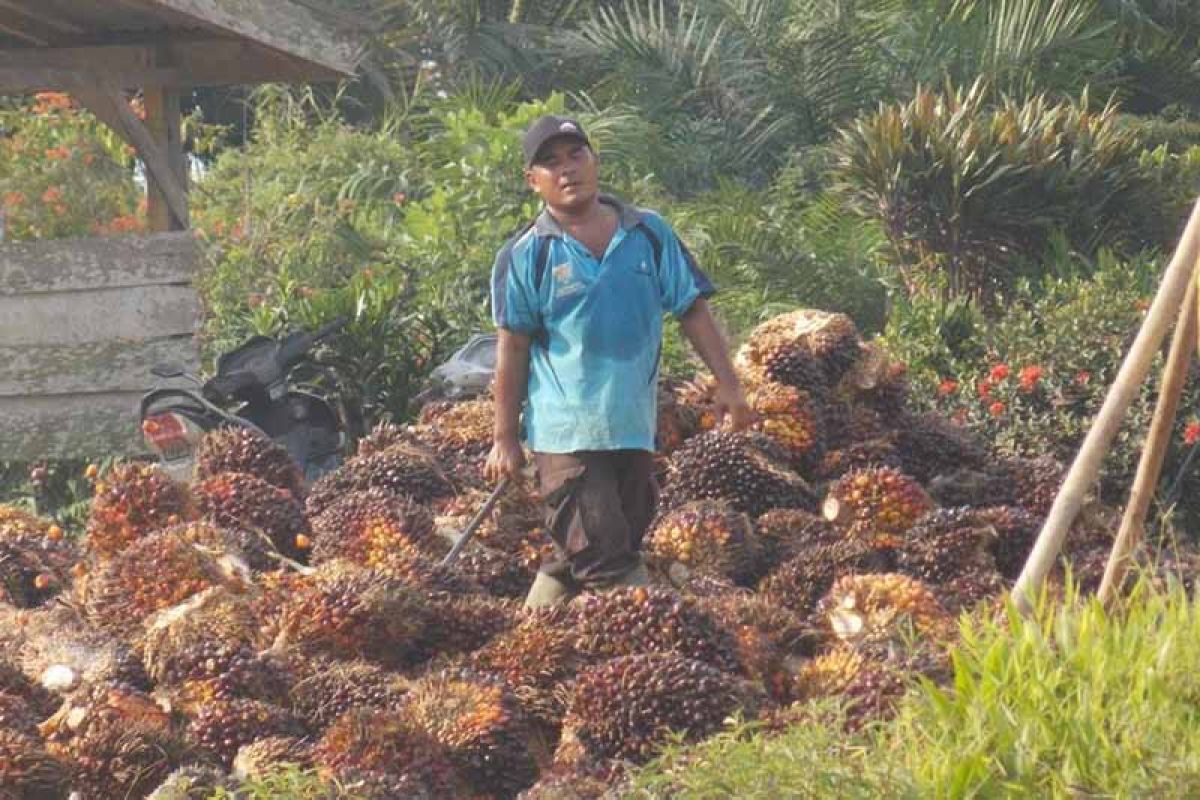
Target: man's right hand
[{"x": 505, "y": 460}]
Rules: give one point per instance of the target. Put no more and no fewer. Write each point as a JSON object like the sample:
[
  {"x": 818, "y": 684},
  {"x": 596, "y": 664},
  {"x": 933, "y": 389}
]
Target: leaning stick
[
  {"x": 1174, "y": 376},
  {"x": 1086, "y": 466}
]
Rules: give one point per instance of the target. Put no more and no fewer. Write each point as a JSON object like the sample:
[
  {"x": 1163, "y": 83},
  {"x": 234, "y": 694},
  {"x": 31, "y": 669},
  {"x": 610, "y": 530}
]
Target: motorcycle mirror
[{"x": 168, "y": 369}]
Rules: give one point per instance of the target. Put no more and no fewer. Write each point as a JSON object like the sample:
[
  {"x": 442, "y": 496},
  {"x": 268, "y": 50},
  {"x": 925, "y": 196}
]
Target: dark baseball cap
[{"x": 550, "y": 127}]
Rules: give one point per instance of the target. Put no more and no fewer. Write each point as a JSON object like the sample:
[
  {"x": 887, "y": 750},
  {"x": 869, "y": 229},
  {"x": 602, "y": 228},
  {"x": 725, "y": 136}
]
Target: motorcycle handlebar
[{"x": 330, "y": 328}]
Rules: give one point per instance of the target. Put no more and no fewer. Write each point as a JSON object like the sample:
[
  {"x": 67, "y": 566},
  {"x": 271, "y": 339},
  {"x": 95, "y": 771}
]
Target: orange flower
[
  {"x": 999, "y": 372},
  {"x": 996, "y": 408},
  {"x": 947, "y": 387},
  {"x": 13, "y": 199},
  {"x": 985, "y": 389},
  {"x": 1191, "y": 434},
  {"x": 59, "y": 209},
  {"x": 1083, "y": 377},
  {"x": 1030, "y": 376},
  {"x": 52, "y": 195},
  {"x": 58, "y": 153},
  {"x": 51, "y": 101}
]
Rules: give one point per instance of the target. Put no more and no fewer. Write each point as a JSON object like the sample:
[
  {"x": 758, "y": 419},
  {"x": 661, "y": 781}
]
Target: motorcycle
[{"x": 253, "y": 388}]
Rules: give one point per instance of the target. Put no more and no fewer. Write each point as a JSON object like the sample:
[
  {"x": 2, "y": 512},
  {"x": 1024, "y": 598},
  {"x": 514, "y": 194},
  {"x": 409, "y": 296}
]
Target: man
[{"x": 578, "y": 299}]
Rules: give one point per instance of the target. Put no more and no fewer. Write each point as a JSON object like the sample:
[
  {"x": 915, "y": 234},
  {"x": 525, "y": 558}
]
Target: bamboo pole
[
  {"x": 1129, "y": 535},
  {"x": 1086, "y": 466}
]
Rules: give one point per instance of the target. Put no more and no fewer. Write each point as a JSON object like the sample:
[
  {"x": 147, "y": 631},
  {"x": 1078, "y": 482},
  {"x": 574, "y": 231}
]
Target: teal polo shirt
[{"x": 596, "y": 327}]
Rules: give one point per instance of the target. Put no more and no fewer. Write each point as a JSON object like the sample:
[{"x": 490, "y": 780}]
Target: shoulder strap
[
  {"x": 656, "y": 244},
  {"x": 539, "y": 265}
]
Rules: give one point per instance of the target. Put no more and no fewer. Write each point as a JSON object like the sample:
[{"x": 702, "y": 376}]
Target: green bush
[
  {"x": 971, "y": 190},
  {"x": 1074, "y": 702}
]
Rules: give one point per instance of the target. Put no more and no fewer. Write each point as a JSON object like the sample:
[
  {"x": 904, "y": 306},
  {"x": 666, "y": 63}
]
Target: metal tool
[{"x": 475, "y": 522}]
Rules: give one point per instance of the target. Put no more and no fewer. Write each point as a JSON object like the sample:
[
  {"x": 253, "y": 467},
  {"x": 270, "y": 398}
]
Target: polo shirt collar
[{"x": 547, "y": 225}]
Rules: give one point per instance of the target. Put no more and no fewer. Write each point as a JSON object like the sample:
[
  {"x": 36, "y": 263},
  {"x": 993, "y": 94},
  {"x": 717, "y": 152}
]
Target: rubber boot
[{"x": 547, "y": 591}]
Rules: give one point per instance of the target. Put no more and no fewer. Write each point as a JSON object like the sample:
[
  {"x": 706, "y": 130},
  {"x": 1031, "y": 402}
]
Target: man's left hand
[{"x": 731, "y": 401}]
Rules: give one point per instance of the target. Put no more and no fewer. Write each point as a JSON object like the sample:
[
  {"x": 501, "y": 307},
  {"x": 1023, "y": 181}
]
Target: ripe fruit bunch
[
  {"x": 221, "y": 727},
  {"x": 214, "y": 670},
  {"x": 869, "y": 687},
  {"x": 627, "y": 621},
  {"x": 747, "y": 470},
  {"x": 464, "y": 427},
  {"x": 766, "y": 638},
  {"x": 706, "y": 536},
  {"x": 264, "y": 756},
  {"x": 131, "y": 501},
  {"x": 479, "y": 722},
  {"x": 401, "y": 469},
  {"x": 831, "y": 340},
  {"x": 878, "y": 452},
  {"x": 790, "y": 417},
  {"x": 783, "y": 533},
  {"x": 247, "y": 451},
  {"x": 1035, "y": 482},
  {"x": 239, "y": 500},
  {"x": 27, "y": 770},
  {"x": 384, "y": 743},
  {"x": 324, "y": 689},
  {"x": 368, "y": 526},
  {"x": 628, "y": 706},
  {"x": 950, "y": 550},
  {"x": 929, "y": 445},
  {"x": 794, "y": 366},
  {"x": 876, "y": 504},
  {"x": 35, "y": 558},
  {"x": 797, "y": 584},
  {"x": 1015, "y": 532},
  {"x": 883, "y": 607},
  {"x": 462, "y": 624}
]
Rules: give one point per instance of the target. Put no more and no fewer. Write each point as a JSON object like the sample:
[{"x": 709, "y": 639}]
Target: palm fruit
[
  {"x": 131, "y": 501},
  {"x": 381, "y": 437},
  {"x": 973, "y": 487},
  {"x": 514, "y": 526},
  {"x": 154, "y": 573},
  {"x": 479, "y": 722},
  {"x": 221, "y": 727},
  {"x": 214, "y": 670},
  {"x": 888, "y": 391},
  {"x": 247, "y": 451},
  {"x": 877, "y": 505},
  {"x": 27, "y": 771},
  {"x": 783, "y": 532},
  {"x": 193, "y": 782},
  {"x": 798, "y": 368},
  {"x": 35, "y": 559},
  {"x": 367, "y": 527},
  {"x": 346, "y": 611},
  {"x": 401, "y": 469},
  {"x": 1035, "y": 482},
  {"x": 241, "y": 500},
  {"x": 460, "y": 432},
  {"x": 675, "y": 422},
  {"x": 791, "y": 418},
  {"x": 61, "y": 652},
  {"x": 535, "y": 658},
  {"x": 705, "y": 536},
  {"x": 877, "y": 452},
  {"x": 744, "y": 469},
  {"x": 804, "y": 579},
  {"x": 376, "y": 785},
  {"x": 33, "y": 698},
  {"x": 950, "y": 549},
  {"x": 1015, "y": 531},
  {"x": 626, "y": 621},
  {"x": 628, "y": 707},
  {"x": 252, "y": 545},
  {"x": 213, "y": 615},
  {"x": 262, "y": 756},
  {"x": 419, "y": 568},
  {"x": 829, "y": 339},
  {"x": 498, "y": 573},
  {"x": 766, "y": 638},
  {"x": 883, "y": 607},
  {"x": 869, "y": 688},
  {"x": 930, "y": 445},
  {"x": 462, "y": 624},
  {"x": 390, "y": 743},
  {"x": 326, "y": 689}
]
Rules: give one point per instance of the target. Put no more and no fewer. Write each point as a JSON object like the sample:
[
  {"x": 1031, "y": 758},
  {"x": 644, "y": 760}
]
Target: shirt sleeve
[
  {"x": 680, "y": 279},
  {"x": 513, "y": 300}
]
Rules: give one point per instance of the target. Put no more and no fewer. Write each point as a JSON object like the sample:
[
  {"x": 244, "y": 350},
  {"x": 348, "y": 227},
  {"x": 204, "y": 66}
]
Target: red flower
[
  {"x": 1191, "y": 434},
  {"x": 52, "y": 195},
  {"x": 1030, "y": 376},
  {"x": 985, "y": 389},
  {"x": 999, "y": 372},
  {"x": 58, "y": 153},
  {"x": 996, "y": 408},
  {"x": 947, "y": 387},
  {"x": 1083, "y": 377}
]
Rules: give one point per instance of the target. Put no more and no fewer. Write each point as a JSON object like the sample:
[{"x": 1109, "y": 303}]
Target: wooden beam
[
  {"x": 108, "y": 104},
  {"x": 46, "y": 20},
  {"x": 101, "y": 262},
  {"x": 163, "y": 119},
  {"x": 282, "y": 25}
]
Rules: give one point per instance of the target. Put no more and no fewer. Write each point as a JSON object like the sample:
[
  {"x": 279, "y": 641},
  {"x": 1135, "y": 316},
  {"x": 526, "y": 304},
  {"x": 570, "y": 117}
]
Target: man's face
[{"x": 565, "y": 173}]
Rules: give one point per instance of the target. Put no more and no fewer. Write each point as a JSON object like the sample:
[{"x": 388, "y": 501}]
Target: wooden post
[
  {"x": 1183, "y": 346},
  {"x": 1084, "y": 470},
  {"x": 163, "y": 118}
]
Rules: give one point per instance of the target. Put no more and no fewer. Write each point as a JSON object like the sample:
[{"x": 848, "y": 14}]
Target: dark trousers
[{"x": 598, "y": 506}]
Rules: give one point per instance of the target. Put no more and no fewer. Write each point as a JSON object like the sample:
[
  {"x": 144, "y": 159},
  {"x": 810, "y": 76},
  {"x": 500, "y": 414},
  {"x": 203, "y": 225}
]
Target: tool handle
[{"x": 476, "y": 520}]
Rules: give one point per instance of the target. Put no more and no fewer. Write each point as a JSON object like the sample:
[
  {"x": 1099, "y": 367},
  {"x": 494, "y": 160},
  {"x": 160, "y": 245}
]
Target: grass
[{"x": 1073, "y": 703}]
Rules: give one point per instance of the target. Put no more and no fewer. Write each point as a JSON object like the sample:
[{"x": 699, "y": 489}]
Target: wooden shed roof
[{"x": 176, "y": 43}]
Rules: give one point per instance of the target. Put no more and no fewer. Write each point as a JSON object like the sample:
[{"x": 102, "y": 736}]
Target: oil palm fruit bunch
[
  {"x": 930, "y": 445},
  {"x": 499, "y": 573},
  {"x": 35, "y": 559},
  {"x": 480, "y": 723},
  {"x": 130, "y": 501},
  {"x": 791, "y": 418},
  {"x": 382, "y": 436},
  {"x": 252, "y": 544},
  {"x": 876, "y": 504},
  {"x": 800, "y": 582},
  {"x": 61, "y": 652},
  {"x": 830, "y": 339},
  {"x": 567, "y": 784},
  {"x": 535, "y": 659},
  {"x": 23, "y": 700},
  {"x": 1036, "y": 482},
  {"x": 216, "y": 615},
  {"x": 990, "y": 486},
  {"x": 214, "y": 670},
  {"x": 705, "y": 536},
  {"x": 28, "y": 771},
  {"x": 401, "y": 469},
  {"x": 240, "y": 500},
  {"x": 221, "y": 727},
  {"x": 627, "y": 621},
  {"x": 745, "y": 469},
  {"x": 767, "y": 638},
  {"x": 368, "y": 526},
  {"x": 782, "y": 533},
  {"x": 883, "y": 607},
  {"x": 460, "y": 432},
  {"x": 420, "y": 568},
  {"x": 868, "y": 688},
  {"x": 264, "y": 756},
  {"x": 797, "y": 367},
  {"x": 248, "y": 451},
  {"x": 348, "y": 612},
  {"x": 675, "y": 421},
  {"x": 465, "y": 623},
  {"x": 1015, "y": 531},
  {"x": 629, "y": 706},
  {"x": 878, "y": 452},
  {"x": 325, "y": 689},
  {"x": 155, "y": 572},
  {"x": 384, "y": 743},
  {"x": 951, "y": 551}
]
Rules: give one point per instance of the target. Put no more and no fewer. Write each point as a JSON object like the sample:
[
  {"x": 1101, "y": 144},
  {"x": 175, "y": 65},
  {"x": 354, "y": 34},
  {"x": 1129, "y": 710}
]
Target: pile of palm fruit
[{"x": 196, "y": 636}]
